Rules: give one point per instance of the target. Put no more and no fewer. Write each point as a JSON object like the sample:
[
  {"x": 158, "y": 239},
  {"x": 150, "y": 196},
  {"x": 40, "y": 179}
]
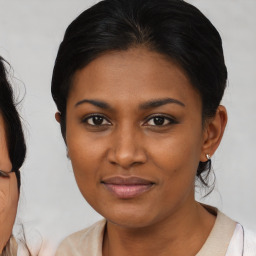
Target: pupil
[
  {"x": 97, "y": 120},
  {"x": 159, "y": 120}
]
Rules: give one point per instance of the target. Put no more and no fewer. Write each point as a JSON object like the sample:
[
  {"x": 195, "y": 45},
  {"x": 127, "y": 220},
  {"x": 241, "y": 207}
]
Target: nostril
[
  {"x": 113, "y": 162},
  {"x": 127, "y": 158}
]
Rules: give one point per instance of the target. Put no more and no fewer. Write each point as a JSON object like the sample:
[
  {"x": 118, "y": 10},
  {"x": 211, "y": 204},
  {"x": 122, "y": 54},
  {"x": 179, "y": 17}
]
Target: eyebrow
[
  {"x": 96, "y": 103},
  {"x": 147, "y": 105},
  {"x": 160, "y": 102}
]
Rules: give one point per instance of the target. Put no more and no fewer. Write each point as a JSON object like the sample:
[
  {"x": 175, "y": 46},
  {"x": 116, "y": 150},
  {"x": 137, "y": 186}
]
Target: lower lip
[{"x": 127, "y": 191}]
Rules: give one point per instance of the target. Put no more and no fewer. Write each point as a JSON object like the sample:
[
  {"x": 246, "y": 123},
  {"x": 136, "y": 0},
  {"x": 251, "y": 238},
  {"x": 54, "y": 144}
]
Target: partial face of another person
[
  {"x": 8, "y": 190},
  {"x": 135, "y": 136}
]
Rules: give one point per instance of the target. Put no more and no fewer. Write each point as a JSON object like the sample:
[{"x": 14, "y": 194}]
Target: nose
[{"x": 127, "y": 149}]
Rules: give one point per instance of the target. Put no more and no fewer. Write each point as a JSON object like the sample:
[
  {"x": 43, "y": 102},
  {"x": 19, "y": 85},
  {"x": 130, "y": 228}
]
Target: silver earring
[{"x": 208, "y": 156}]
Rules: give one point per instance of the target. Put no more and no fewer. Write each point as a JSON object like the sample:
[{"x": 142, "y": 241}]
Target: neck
[{"x": 182, "y": 233}]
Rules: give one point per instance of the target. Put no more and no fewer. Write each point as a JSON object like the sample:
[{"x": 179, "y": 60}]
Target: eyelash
[
  {"x": 85, "y": 120},
  {"x": 169, "y": 119},
  {"x": 4, "y": 174}
]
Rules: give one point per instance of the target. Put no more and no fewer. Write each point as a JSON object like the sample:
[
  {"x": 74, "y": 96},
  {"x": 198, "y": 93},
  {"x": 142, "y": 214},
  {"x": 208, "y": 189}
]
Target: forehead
[{"x": 136, "y": 73}]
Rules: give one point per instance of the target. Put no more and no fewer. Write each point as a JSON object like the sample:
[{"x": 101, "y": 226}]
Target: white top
[
  {"x": 227, "y": 238},
  {"x": 243, "y": 242}
]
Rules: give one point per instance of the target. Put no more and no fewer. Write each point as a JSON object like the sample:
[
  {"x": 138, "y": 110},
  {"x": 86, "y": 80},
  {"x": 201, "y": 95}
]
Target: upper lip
[{"x": 121, "y": 180}]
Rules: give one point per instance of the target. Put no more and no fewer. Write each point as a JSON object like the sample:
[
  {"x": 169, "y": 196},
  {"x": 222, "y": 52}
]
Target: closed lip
[
  {"x": 127, "y": 187},
  {"x": 122, "y": 180}
]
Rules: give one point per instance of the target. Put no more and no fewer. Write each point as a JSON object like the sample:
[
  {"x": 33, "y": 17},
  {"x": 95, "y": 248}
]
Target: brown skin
[
  {"x": 166, "y": 219},
  {"x": 8, "y": 191}
]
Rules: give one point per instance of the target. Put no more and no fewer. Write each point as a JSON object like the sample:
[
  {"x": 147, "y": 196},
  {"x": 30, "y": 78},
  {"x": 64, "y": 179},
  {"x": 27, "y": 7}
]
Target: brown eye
[
  {"x": 96, "y": 120},
  {"x": 159, "y": 121}
]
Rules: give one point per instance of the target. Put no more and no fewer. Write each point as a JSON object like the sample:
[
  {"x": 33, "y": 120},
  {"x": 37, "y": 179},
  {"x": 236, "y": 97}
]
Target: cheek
[
  {"x": 8, "y": 205},
  {"x": 179, "y": 150},
  {"x": 9, "y": 194},
  {"x": 177, "y": 157},
  {"x": 4, "y": 194},
  {"x": 86, "y": 154},
  {"x": 85, "y": 149}
]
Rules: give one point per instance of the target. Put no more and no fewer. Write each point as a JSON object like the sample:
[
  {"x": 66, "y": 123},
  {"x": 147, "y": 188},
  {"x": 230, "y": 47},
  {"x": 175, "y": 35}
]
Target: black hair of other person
[{"x": 15, "y": 136}]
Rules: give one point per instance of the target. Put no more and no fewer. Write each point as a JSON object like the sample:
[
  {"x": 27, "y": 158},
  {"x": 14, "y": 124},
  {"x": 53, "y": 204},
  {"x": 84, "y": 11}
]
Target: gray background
[{"x": 51, "y": 206}]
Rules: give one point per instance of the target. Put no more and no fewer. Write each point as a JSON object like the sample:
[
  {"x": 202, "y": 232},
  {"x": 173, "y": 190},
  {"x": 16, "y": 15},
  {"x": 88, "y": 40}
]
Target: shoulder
[
  {"x": 13, "y": 246},
  {"x": 243, "y": 242},
  {"x": 88, "y": 239},
  {"x": 249, "y": 242}
]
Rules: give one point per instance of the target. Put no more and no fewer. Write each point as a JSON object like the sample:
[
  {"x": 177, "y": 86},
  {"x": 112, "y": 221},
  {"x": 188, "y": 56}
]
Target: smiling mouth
[{"x": 127, "y": 187}]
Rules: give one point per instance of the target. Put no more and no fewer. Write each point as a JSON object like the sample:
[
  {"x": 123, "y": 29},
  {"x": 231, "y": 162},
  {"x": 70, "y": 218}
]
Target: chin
[
  {"x": 129, "y": 217},
  {"x": 130, "y": 222}
]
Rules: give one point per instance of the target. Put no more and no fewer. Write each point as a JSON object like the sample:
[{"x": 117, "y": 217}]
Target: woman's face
[
  {"x": 8, "y": 191},
  {"x": 134, "y": 135}
]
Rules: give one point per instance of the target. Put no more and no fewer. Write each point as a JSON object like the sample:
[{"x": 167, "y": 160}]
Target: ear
[
  {"x": 57, "y": 117},
  {"x": 213, "y": 133}
]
